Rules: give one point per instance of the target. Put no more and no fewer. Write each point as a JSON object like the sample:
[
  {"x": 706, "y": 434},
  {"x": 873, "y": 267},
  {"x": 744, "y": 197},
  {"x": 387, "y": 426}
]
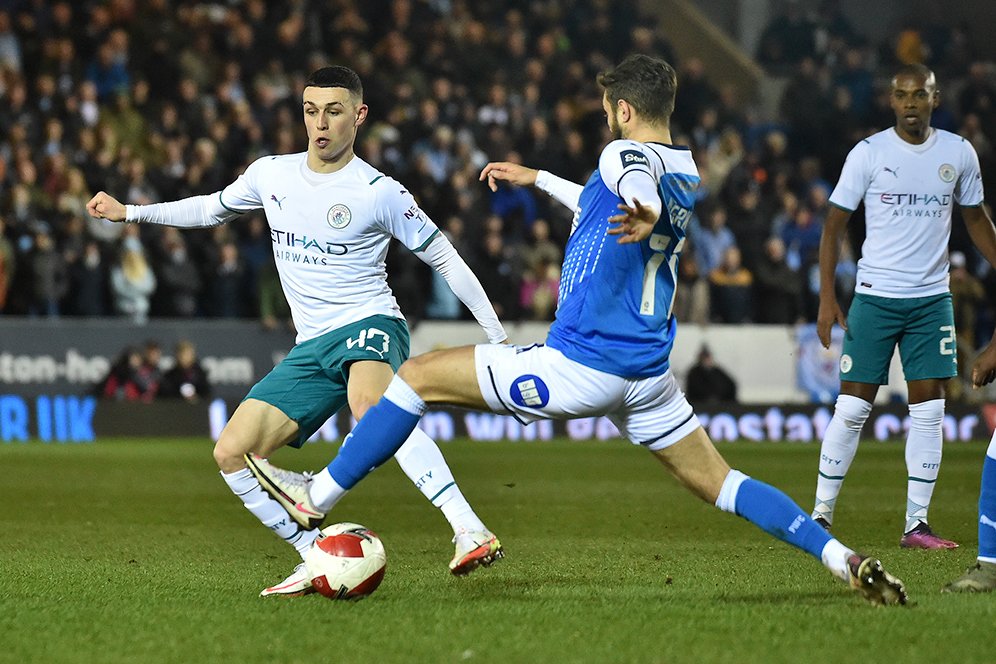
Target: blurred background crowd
[{"x": 155, "y": 100}]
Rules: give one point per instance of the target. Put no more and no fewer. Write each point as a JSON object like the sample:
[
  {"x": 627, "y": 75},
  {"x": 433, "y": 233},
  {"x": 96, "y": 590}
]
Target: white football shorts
[{"x": 537, "y": 382}]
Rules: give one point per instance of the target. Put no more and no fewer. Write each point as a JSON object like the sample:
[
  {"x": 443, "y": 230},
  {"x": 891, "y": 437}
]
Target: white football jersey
[
  {"x": 330, "y": 235},
  {"x": 908, "y": 191}
]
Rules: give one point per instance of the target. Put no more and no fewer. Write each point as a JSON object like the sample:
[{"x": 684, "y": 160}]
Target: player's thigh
[
  {"x": 929, "y": 349},
  {"x": 654, "y": 412},
  {"x": 305, "y": 387},
  {"x": 538, "y": 382},
  {"x": 874, "y": 326}
]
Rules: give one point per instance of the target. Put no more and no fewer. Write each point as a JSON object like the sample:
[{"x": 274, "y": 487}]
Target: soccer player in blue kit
[{"x": 607, "y": 351}]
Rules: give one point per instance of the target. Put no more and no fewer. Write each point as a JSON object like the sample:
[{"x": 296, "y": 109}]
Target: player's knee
[
  {"x": 228, "y": 454},
  {"x": 412, "y": 372},
  {"x": 853, "y": 411}
]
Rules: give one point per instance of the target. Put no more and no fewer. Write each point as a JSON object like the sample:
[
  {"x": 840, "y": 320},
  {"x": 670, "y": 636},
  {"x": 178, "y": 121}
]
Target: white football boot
[
  {"x": 474, "y": 548},
  {"x": 295, "y": 585},
  {"x": 288, "y": 488}
]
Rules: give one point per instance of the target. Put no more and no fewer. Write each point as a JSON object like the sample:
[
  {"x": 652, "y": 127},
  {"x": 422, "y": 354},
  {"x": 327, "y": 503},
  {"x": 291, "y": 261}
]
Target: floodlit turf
[{"x": 135, "y": 551}]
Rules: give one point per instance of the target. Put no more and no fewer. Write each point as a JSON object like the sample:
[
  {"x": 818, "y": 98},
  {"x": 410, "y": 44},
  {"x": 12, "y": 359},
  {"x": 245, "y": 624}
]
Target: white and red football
[{"x": 347, "y": 561}]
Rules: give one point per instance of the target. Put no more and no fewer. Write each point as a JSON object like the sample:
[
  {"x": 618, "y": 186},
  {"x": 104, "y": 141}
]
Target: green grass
[{"x": 135, "y": 551}]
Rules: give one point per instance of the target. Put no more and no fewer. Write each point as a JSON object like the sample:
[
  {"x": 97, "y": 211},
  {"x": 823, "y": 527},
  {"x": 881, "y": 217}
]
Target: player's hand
[
  {"x": 506, "y": 171},
  {"x": 984, "y": 367},
  {"x": 634, "y": 224},
  {"x": 829, "y": 314},
  {"x": 105, "y": 206}
]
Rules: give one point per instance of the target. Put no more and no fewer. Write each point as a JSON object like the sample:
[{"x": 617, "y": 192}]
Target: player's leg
[
  {"x": 873, "y": 327},
  {"x": 981, "y": 577},
  {"x": 664, "y": 422},
  {"x": 929, "y": 355},
  {"x": 444, "y": 376},
  {"x": 260, "y": 428},
  {"x": 840, "y": 444},
  {"x": 423, "y": 463}
]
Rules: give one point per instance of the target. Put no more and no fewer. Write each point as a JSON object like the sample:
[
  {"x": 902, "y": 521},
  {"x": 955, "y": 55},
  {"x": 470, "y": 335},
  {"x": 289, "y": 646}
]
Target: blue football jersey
[{"x": 615, "y": 301}]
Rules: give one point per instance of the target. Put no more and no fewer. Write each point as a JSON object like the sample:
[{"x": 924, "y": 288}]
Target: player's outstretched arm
[
  {"x": 830, "y": 311},
  {"x": 635, "y": 224},
  {"x": 105, "y": 206},
  {"x": 505, "y": 171}
]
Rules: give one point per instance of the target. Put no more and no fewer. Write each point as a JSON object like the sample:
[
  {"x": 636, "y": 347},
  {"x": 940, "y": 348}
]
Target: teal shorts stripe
[
  {"x": 922, "y": 328},
  {"x": 309, "y": 385}
]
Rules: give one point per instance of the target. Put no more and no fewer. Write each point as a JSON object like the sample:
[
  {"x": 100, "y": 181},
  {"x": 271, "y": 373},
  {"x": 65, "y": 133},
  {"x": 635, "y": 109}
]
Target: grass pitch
[{"x": 135, "y": 551}]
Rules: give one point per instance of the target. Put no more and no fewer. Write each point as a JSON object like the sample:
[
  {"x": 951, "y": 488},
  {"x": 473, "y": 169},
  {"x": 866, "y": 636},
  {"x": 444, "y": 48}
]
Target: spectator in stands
[
  {"x": 539, "y": 289},
  {"x": 132, "y": 281},
  {"x": 47, "y": 272},
  {"x": 227, "y": 283},
  {"x": 187, "y": 379},
  {"x": 88, "y": 296},
  {"x": 730, "y": 289},
  {"x": 178, "y": 277},
  {"x": 778, "y": 289},
  {"x": 124, "y": 380},
  {"x": 495, "y": 272},
  {"x": 708, "y": 383},
  {"x": 712, "y": 238}
]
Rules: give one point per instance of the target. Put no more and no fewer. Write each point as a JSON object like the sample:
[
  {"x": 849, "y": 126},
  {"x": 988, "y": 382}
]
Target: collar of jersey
[
  {"x": 923, "y": 147},
  {"x": 321, "y": 179}
]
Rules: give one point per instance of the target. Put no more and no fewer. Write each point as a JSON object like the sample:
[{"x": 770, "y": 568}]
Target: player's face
[
  {"x": 331, "y": 116},
  {"x": 611, "y": 116},
  {"x": 913, "y": 99}
]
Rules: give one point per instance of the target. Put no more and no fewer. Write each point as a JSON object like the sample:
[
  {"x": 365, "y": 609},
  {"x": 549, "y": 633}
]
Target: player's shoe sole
[
  {"x": 822, "y": 523},
  {"x": 473, "y": 550},
  {"x": 288, "y": 488},
  {"x": 868, "y": 577},
  {"x": 296, "y": 585},
  {"x": 980, "y": 578}
]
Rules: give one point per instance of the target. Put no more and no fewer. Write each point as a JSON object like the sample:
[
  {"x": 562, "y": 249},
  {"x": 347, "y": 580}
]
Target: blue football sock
[
  {"x": 383, "y": 429},
  {"x": 776, "y": 514},
  {"x": 987, "y": 510}
]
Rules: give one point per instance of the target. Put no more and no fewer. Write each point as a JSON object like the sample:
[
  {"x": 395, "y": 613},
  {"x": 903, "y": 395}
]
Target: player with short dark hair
[
  {"x": 607, "y": 352},
  {"x": 332, "y": 217},
  {"x": 909, "y": 178}
]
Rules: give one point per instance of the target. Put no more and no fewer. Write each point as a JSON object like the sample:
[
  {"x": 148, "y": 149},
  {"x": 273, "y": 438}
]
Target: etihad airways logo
[
  {"x": 943, "y": 200},
  {"x": 313, "y": 250}
]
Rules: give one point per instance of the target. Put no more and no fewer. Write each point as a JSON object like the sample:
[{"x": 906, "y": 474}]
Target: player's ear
[
  {"x": 937, "y": 99},
  {"x": 361, "y": 114}
]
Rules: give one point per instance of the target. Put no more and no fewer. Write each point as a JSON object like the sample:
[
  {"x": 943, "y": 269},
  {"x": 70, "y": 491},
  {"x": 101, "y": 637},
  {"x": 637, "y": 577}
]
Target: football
[{"x": 347, "y": 561}]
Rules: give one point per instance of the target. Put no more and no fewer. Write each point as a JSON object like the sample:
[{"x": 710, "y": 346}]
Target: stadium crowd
[{"x": 155, "y": 100}]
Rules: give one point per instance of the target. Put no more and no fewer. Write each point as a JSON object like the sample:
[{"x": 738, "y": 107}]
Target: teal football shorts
[
  {"x": 309, "y": 385},
  {"x": 923, "y": 328}
]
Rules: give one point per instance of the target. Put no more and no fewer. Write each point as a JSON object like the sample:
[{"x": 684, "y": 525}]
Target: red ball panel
[{"x": 345, "y": 545}]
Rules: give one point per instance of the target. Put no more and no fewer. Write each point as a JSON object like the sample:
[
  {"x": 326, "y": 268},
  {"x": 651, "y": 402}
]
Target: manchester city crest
[
  {"x": 946, "y": 172},
  {"x": 339, "y": 216}
]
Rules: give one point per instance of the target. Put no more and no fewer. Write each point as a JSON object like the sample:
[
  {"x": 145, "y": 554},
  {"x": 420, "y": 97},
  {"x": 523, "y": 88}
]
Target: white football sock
[
  {"x": 923, "y": 458},
  {"x": 272, "y": 515},
  {"x": 425, "y": 466},
  {"x": 840, "y": 443},
  {"x": 834, "y": 557},
  {"x": 324, "y": 491}
]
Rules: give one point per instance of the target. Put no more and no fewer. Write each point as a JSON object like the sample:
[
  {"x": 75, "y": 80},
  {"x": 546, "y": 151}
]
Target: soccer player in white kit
[
  {"x": 908, "y": 176},
  {"x": 332, "y": 217},
  {"x": 607, "y": 352}
]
